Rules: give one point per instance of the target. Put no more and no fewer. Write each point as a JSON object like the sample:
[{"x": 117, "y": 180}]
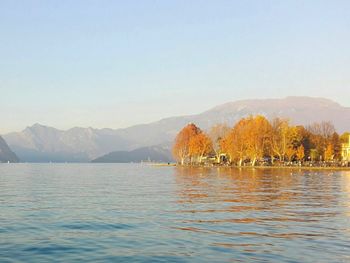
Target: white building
[{"x": 345, "y": 151}]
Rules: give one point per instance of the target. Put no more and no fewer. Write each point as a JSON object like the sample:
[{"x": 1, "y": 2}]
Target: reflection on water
[
  {"x": 272, "y": 214},
  {"x": 94, "y": 212}
]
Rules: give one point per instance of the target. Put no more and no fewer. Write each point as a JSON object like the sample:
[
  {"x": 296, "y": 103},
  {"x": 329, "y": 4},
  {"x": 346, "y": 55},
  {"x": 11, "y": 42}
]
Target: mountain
[
  {"x": 300, "y": 110},
  {"x": 41, "y": 144},
  {"x": 6, "y": 155},
  {"x": 153, "y": 153}
]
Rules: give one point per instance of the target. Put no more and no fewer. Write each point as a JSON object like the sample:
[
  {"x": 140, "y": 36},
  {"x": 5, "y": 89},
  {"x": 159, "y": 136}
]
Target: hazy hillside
[
  {"x": 40, "y": 143},
  {"x": 300, "y": 110},
  {"x": 154, "y": 154},
  {"x": 6, "y": 155}
]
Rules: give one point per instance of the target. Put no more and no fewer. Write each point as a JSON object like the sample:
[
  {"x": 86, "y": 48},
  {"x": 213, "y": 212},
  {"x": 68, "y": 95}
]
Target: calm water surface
[{"x": 138, "y": 213}]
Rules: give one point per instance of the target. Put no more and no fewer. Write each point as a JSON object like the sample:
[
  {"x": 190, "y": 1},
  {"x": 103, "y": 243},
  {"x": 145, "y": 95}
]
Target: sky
[{"x": 120, "y": 63}]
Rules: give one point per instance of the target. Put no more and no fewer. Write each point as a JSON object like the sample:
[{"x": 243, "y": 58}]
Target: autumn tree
[
  {"x": 199, "y": 146},
  {"x": 258, "y": 137},
  {"x": 217, "y": 134},
  {"x": 181, "y": 148},
  {"x": 335, "y": 141},
  {"x": 254, "y": 138},
  {"x": 329, "y": 153},
  {"x": 234, "y": 143},
  {"x": 293, "y": 142},
  {"x": 300, "y": 153},
  {"x": 279, "y": 138},
  {"x": 314, "y": 155},
  {"x": 250, "y": 139},
  {"x": 290, "y": 152},
  {"x": 285, "y": 139},
  {"x": 320, "y": 134}
]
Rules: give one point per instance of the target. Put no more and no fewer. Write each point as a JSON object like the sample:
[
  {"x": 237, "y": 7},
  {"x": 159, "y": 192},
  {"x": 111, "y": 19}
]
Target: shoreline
[
  {"x": 314, "y": 168},
  {"x": 256, "y": 167}
]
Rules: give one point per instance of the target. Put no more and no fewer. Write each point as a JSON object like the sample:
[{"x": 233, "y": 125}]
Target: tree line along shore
[{"x": 256, "y": 141}]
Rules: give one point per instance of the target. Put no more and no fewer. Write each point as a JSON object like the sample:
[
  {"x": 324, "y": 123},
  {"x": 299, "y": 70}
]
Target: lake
[{"x": 140, "y": 213}]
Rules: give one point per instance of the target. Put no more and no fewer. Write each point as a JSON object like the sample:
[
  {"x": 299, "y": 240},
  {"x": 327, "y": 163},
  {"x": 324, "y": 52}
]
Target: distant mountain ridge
[
  {"x": 39, "y": 143},
  {"x": 6, "y": 155},
  {"x": 144, "y": 154}
]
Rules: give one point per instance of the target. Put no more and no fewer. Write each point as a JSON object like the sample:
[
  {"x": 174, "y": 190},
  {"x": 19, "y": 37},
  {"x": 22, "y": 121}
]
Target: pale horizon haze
[{"x": 119, "y": 63}]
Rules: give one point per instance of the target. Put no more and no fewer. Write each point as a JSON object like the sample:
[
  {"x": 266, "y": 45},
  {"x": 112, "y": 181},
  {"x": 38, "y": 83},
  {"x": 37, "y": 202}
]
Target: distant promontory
[{"x": 6, "y": 155}]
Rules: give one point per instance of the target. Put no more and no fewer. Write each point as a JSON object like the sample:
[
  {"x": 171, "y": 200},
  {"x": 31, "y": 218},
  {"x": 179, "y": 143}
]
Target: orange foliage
[
  {"x": 290, "y": 152},
  {"x": 254, "y": 138},
  {"x": 199, "y": 146},
  {"x": 234, "y": 144},
  {"x": 329, "y": 152},
  {"x": 217, "y": 133},
  {"x": 181, "y": 148},
  {"x": 300, "y": 153},
  {"x": 249, "y": 138},
  {"x": 259, "y": 138}
]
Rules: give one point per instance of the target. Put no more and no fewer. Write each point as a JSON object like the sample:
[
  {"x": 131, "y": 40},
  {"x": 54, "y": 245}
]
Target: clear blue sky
[{"x": 119, "y": 63}]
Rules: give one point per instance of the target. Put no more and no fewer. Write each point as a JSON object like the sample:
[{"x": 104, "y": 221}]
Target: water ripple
[{"x": 137, "y": 213}]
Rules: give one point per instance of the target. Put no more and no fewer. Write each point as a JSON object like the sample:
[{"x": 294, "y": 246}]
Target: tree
[
  {"x": 300, "y": 153},
  {"x": 199, "y": 146},
  {"x": 290, "y": 152},
  {"x": 320, "y": 135},
  {"x": 325, "y": 129},
  {"x": 329, "y": 153},
  {"x": 217, "y": 134},
  {"x": 279, "y": 137},
  {"x": 335, "y": 141},
  {"x": 285, "y": 139},
  {"x": 254, "y": 138},
  {"x": 293, "y": 141},
  {"x": 234, "y": 143},
  {"x": 305, "y": 141},
  {"x": 258, "y": 137},
  {"x": 314, "y": 155},
  {"x": 181, "y": 150}
]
